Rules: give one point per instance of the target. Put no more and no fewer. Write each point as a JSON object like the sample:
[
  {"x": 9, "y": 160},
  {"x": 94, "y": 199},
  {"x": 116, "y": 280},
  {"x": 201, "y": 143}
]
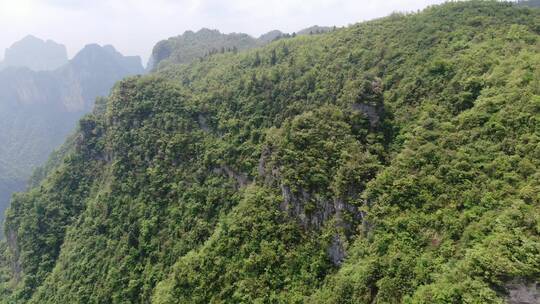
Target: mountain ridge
[
  {"x": 192, "y": 46},
  {"x": 393, "y": 161}
]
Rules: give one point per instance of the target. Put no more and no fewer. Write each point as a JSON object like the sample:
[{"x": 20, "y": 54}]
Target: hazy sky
[{"x": 134, "y": 26}]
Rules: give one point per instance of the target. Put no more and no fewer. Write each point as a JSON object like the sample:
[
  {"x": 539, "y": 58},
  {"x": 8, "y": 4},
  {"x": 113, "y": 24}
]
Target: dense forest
[
  {"x": 392, "y": 161},
  {"x": 191, "y": 46}
]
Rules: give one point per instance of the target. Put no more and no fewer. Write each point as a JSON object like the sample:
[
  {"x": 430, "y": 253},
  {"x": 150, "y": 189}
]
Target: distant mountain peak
[
  {"x": 31, "y": 38},
  {"x": 101, "y": 54},
  {"x": 208, "y": 30},
  {"x": 316, "y": 29},
  {"x": 39, "y": 109},
  {"x": 97, "y": 47},
  {"x": 36, "y": 54},
  {"x": 191, "y": 46},
  {"x": 271, "y": 36}
]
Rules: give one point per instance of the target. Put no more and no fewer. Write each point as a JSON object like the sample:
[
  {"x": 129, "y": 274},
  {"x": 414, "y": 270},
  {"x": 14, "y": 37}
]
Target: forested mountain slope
[
  {"x": 392, "y": 161},
  {"x": 191, "y": 46}
]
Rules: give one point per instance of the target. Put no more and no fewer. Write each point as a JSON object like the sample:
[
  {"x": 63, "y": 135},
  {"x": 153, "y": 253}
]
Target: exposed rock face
[
  {"x": 366, "y": 95},
  {"x": 313, "y": 211},
  {"x": 162, "y": 50},
  {"x": 336, "y": 251},
  {"x": 16, "y": 268},
  {"x": 241, "y": 179},
  {"x": 370, "y": 111},
  {"x": 523, "y": 292},
  {"x": 321, "y": 187},
  {"x": 35, "y": 54},
  {"x": 203, "y": 123}
]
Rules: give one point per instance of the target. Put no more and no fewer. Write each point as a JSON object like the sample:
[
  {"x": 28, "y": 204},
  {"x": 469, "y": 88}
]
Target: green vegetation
[
  {"x": 394, "y": 161},
  {"x": 195, "y": 46},
  {"x": 192, "y": 46}
]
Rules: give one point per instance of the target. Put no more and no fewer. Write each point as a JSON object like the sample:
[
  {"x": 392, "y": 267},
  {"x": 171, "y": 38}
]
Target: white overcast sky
[{"x": 134, "y": 26}]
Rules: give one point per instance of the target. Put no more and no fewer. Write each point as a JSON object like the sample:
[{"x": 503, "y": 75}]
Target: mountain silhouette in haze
[
  {"x": 35, "y": 54},
  {"x": 39, "y": 107}
]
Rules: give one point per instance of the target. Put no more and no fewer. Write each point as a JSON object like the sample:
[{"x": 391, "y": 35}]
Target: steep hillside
[
  {"x": 394, "y": 161},
  {"x": 39, "y": 109}
]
